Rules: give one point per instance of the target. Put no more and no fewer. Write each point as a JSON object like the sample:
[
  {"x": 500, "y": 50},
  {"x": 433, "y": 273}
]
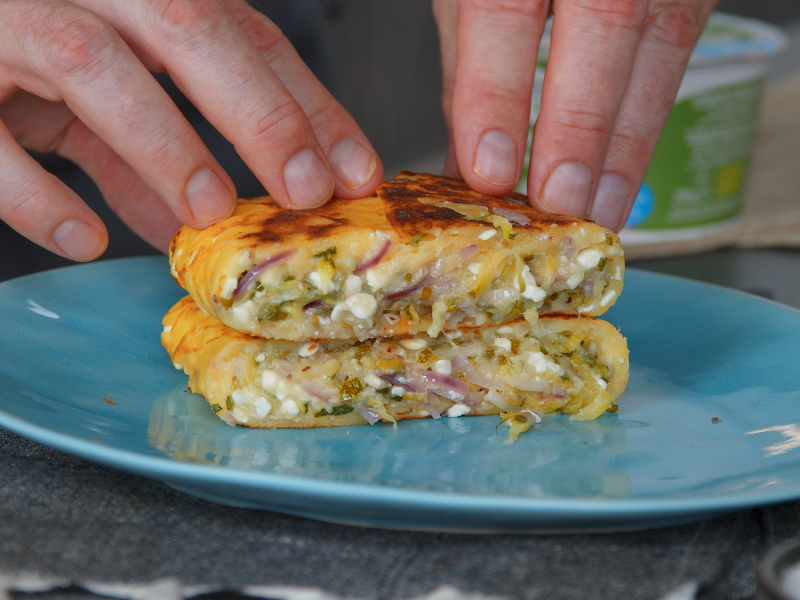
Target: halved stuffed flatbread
[
  {"x": 425, "y": 254},
  {"x": 560, "y": 363}
]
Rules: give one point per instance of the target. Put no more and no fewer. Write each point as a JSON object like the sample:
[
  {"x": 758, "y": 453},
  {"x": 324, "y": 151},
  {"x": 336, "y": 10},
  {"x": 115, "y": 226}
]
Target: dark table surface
[{"x": 66, "y": 522}]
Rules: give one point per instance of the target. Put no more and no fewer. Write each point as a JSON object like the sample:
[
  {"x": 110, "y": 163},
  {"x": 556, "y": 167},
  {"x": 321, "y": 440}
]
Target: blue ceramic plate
[{"x": 74, "y": 337}]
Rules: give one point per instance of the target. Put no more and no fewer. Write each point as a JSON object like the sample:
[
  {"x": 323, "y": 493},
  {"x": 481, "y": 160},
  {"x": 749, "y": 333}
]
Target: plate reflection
[{"x": 466, "y": 455}]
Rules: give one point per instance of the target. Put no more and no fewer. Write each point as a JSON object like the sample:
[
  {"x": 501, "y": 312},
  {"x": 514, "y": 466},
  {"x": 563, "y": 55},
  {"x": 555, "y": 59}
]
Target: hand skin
[
  {"x": 75, "y": 79},
  {"x": 613, "y": 72}
]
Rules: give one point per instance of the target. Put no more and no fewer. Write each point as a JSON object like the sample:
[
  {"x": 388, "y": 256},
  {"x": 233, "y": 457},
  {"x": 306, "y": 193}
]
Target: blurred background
[{"x": 380, "y": 58}]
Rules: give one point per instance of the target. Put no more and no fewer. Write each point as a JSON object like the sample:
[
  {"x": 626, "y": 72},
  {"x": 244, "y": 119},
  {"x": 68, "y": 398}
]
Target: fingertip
[
  {"x": 308, "y": 180},
  {"x": 495, "y": 168},
  {"x": 451, "y": 163},
  {"x": 80, "y": 241},
  {"x": 496, "y": 159},
  {"x": 611, "y": 202},
  {"x": 567, "y": 190},
  {"x": 354, "y": 167},
  {"x": 210, "y": 198}
]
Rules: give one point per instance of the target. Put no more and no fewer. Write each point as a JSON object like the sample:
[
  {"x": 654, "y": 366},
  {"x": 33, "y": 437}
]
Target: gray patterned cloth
[{"x": 69, "y": 528}]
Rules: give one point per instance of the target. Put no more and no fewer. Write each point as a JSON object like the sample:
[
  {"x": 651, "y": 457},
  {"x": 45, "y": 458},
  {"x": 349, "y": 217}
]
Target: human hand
[
  {"x": 614, "y": 70},
  {"x": 75, "y": 80}
]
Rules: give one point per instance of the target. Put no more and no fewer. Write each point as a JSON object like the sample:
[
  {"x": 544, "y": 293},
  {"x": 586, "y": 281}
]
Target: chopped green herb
[
  {"x": 342, "y": 409},
  {"x": 229, "y": 403},
  {"x": 326, "y": 253},
  {"x": 417, "y": 239},
  {"x": 351, "y": 389},
  {"x": 385, "y": 390},
  {"x": 609, "y": 239},
  {"x": 512, "y": 235},
  {"x": 216, "y": 408},
  {"x": 602, "y": 264}
]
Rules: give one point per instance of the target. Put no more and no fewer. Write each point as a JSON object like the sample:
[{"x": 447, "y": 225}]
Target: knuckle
[
  {"x": 184, "y": 20},
  {"x": 262, "y": 32},
  {"x": 25, "y": 203},
  {"x": 630, "y": 144},
  {"x": 323, "y": 113},
  {"x": 531, "y": 8},
  {"x": 167, "y": 148},
  {"x": 584, "y": 125},
  {"x": 676, "y": 24},
  {"x": 508, "y": 99},
  {"x": 74, "y": 41},
  {"x": 628, "y": 14},
  {"x": 280, "y": 123}
]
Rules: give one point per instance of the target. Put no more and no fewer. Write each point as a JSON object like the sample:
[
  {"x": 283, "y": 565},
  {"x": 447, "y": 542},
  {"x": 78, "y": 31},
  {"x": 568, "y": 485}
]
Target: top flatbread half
[{"x": 433, "y": 230}]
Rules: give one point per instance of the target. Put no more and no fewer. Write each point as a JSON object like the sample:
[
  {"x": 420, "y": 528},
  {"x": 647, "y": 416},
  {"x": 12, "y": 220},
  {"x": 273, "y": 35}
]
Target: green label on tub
[{"x": 700, "y": 163}]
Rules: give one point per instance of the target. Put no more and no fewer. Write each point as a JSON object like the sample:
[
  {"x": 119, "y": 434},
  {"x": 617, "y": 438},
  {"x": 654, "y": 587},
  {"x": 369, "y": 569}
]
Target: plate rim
[{"x": 166, "y": 469}]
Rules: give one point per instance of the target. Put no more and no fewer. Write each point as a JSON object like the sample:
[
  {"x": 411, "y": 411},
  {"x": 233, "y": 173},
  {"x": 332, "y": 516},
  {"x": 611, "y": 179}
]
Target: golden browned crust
[
  {"x": 409, "y": 217},
  {"x": 202, "y": 261}
]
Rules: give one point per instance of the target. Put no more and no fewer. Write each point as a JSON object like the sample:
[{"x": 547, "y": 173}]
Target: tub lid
[{"x": 726, "y": 39}]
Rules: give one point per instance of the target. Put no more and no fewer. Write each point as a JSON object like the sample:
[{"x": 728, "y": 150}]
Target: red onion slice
[
  {"x": 529, "y": 385},
  {"x": 473, "y": 398},
  {"x": 588, "y": 287},
  {"x": 260, "y": 268},
  {"x": 513, "y": 216},
  {"x": 472, "y": 374},
  {"x": 407, "y": 385},
  {"x": 370, "y": 415},
  {"x": 406, "y": 292},
  {"x": 569, "y": 249},
  {"x": 499, "y": 401},
  {"x": 376, "y": 254},
  {"x": 310, "y": 389},
  {"x": 313, "y": 305},
  {"x": 432, "y": 407},
  {"x": 532, "y": 416},
  {"x": 468, "y": 252},
  {"x": 228, "y": 418},
  {"x": 284, "y": 368},
  {"x": 432, "y": 379}
]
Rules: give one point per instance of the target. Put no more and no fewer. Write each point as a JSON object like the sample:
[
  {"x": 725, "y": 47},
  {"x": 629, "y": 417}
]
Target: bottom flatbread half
[{"x": 561, "y": 363}]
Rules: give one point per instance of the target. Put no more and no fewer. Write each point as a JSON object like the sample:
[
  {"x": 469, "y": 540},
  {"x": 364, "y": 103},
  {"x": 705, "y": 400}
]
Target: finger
[
  {"x": 45, "y": 127},
  {"x": 497, "y": 46},
  {"x": 592, "y": 50},
  {"x": 222, "y": 73},
  {"x": 37, "y": 205},
  {"x": 445, "y": 13},
  {"x": 355, "y": 164},
  {"x": 669, "y": 35},
  {"x": 89, "y": 66}
]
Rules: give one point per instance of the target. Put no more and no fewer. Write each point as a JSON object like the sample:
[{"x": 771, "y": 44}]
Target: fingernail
[
  {"x": 567, "y": 189},
  {"x": 78, "y": 240},
  {"x": 307, "y": 179},
  {"x": 496, "y": 158},
  {"x": 352, "y": 163},
  {"x": 610, "y": 201},
  {"x": 208, "y": 197}
]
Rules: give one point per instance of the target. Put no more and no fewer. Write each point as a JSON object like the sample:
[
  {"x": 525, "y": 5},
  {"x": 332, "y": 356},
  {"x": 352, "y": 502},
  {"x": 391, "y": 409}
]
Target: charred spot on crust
[
  {"x": 290, "y": 222},
  {"x": 410, "y": 217}
]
